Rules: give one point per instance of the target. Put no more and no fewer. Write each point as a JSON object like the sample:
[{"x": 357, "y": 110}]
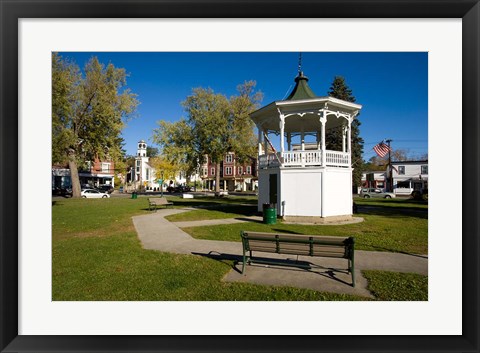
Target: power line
[{"x": 374, "y": 143}]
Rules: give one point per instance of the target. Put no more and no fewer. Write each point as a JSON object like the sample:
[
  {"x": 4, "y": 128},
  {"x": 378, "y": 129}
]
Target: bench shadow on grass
[{"x": 280, "y": 264}]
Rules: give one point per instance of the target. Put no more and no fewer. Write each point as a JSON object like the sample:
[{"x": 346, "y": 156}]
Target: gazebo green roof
[{"x": 301, "y": 90}]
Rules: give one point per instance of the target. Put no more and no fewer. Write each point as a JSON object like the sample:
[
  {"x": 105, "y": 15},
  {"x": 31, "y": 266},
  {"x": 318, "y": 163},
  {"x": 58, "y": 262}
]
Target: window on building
[
  {"x": 229, "y": 158},
  {"x": 147, "y": 174},
  {"x": 212, "y": 171},
  {"x": 403, "y": 184},
  {"x": 138, "y": 166},
  {"x": 204, "y": 171},
  {"x": 228, "y": 170},
  {"x": 105, "y": 167},
  {"x": 240, "y": 170},
  {"x": 424, "y": 169},
  {"x": 401, "y": 170},
  {"x": 249, "y": 170}
]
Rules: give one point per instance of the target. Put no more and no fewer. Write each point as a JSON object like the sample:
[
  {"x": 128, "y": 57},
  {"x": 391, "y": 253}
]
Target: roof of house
[{"x": 411, "y": 162}]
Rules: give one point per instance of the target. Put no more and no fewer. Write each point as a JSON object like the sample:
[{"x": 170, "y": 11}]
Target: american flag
[{"x": 381, "y": 149}]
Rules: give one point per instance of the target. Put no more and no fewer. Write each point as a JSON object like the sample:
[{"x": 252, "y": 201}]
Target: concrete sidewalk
[{"x": 323, "y": 274}]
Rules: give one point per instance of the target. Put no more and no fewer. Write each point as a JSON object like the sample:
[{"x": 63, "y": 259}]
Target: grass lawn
[
  {"x": 212, "y": 208},
  {"x": 389, "y": 225},
  {"x": 397, "y": 286},
  {"x": 96, "y": 255},
  {"x": 400, "y": 202}
]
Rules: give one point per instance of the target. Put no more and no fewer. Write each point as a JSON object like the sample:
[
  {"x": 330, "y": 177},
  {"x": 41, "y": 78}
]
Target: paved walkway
[{"x": 325, "y": 274}]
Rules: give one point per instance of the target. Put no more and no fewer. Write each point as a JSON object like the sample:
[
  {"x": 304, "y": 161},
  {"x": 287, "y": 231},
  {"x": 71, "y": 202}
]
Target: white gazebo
[{"x": 306, "y": 182}]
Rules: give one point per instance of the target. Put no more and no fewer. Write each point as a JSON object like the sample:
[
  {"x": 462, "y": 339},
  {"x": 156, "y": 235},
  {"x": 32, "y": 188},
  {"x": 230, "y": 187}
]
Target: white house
[
  {"x": 408, "y": 176},
  {"x": 306, "y": 182}
]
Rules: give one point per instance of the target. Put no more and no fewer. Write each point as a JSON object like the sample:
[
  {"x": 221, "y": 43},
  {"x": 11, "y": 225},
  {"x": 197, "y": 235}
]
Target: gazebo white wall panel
[
  {"x": 301, "y": 193},
  {"x": 338, "y": 194}
]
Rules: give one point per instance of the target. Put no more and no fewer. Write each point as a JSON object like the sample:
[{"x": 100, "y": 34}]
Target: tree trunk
[
  {"x": 217, "y": 180},
  {"x": 72, "y": 164}
]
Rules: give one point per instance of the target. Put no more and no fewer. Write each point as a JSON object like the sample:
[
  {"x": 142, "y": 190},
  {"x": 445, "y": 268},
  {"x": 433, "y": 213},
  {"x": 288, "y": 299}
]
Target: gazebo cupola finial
[{"x": 301, "y": 90}]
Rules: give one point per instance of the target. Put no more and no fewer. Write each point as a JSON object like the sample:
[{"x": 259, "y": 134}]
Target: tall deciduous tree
[
  {"x": 152, "y": 151},
  {"x": 214, "y": 126},
  {"x": 340, "y": 90},
  {"x": 88, "y": 113},
  {"x": 242, "y": 138},
  {"x": 176, "y": 142}
]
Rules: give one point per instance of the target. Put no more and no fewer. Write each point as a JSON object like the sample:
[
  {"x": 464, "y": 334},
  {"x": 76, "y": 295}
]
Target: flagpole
[{"x": 390, "y": 177}]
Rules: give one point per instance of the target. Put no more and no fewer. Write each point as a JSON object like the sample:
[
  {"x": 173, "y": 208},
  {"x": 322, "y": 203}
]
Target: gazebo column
[
  {"x": 282, "y": 132},
  {"x": 349, "y": 139},
  {"x": 323, "y": 121},
  {"x": 344, "y": 136},
  {"x": 260, "y": 136},
  {"x": 302, "y": 137}
]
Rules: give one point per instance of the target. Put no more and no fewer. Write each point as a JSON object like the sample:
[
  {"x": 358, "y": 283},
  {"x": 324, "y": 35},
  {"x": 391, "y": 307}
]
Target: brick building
[
  {"x": 95, "y": 174},
  {"x": 234, "y": 176}
]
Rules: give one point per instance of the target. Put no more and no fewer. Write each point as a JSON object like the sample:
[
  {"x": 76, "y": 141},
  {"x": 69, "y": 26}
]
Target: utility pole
[{"x": 390, "y": 176}]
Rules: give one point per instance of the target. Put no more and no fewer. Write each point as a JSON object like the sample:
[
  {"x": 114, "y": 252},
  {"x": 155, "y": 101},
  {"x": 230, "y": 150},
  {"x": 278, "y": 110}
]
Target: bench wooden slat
[{"x": 296, "y": 244}]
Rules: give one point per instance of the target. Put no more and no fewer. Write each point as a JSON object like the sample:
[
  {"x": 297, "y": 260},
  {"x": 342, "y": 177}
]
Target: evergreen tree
[{"x": 340, "y": 90}]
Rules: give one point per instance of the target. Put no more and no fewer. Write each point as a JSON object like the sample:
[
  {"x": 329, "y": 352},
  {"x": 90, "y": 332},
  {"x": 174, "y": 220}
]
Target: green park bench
[
  {"x": 293, "y": 244},
  {"x": 154, "y": 202}
]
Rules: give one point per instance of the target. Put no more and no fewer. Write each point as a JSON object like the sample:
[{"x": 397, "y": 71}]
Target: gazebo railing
[
  {"x": 302, "y": 158},
  {"x": 312, "y": 158},
  {"x": 337, "y": 159}
]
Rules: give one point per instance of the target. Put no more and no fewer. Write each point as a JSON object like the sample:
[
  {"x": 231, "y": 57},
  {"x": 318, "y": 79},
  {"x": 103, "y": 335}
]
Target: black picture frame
[{"x": 12, "y": 11}]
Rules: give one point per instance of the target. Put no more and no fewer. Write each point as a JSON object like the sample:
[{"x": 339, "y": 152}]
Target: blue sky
[{"x": 392, "y": 87}]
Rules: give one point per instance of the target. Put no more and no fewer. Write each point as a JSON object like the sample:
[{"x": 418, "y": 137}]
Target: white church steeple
[{"x": 141, "y": 149}]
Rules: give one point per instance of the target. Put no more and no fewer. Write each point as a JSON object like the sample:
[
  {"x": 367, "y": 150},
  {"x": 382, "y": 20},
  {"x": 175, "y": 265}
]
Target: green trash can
[
  {"x": 269, "y": 213},
  {"x": 134, "y": 195}
]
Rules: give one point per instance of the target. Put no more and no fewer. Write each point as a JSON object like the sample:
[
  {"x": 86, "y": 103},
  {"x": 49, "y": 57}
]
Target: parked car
[
  {"x": 183, "y": 188},
  {"x": 179, "y": 188},
  {"x": 367, "y": 193},
  {"x": 93, "y": 194},
  {"x": 106, "y": 188},
  {"x": 65, "y": 192}
]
